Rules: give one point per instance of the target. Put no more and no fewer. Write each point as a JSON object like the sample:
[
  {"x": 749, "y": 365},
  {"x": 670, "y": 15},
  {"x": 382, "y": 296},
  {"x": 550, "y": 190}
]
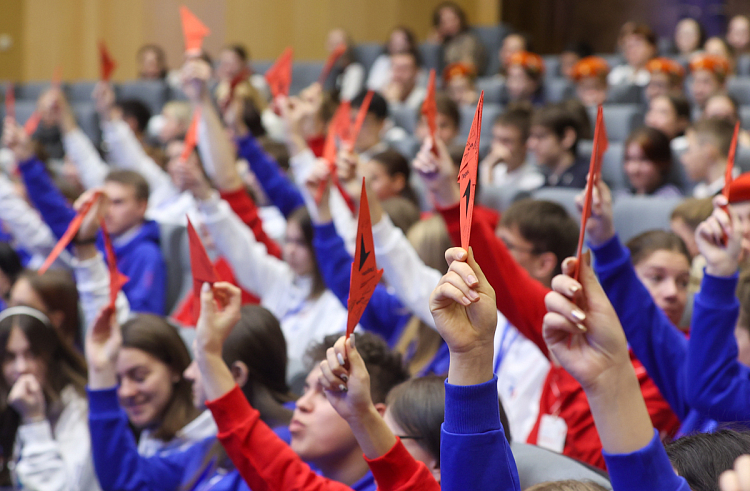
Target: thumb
[
  {"x": 356, "y": 363},
  {"x": 590, "y": 283}
]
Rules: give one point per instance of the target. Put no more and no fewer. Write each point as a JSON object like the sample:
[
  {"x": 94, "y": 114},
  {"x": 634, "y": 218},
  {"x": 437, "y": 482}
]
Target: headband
[{"x": 23, "y": 310}]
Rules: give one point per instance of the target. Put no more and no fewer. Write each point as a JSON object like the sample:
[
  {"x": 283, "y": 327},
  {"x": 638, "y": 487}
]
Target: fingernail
[
  {"x": 579, "y": 316},
  {"x": 343, "y": 388},
  {"x": 473, "y": 295},
  {"x": 206, "y": 287},
  {"x": 344, "y": 377},
  {"x": 472, "y": 279},
  {"x": 466, "y": 301},
  {"x": 340, "y": 358},
  {"x": 581, "y": 327},
  {"x": 574, "y": 289},
  {"x": 461, "y": 254}
]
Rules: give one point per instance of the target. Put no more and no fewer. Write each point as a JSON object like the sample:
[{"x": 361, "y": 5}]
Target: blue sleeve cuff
[
  {"x": 325, "y": 232},
  {"x": 610, "y": 253},
  {"x": 103, "y": 401},
  {"x": 471, "y": 409},
  {"x": 647, "y": 468},
  {"x": 718, "y": 291}
]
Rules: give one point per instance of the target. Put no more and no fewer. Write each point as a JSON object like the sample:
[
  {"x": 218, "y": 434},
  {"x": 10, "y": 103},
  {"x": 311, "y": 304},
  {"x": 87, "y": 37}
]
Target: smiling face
[
  {"x": 296, "y": 251},
  {"x": 145, "y": 386},
  {"x": 666, "y": 275},
  {"x": 643, "y": 174}
]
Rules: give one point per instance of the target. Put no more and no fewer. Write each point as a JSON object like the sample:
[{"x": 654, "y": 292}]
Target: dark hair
[
  {"x": 130, "y": 178},
  {"x": 732, "y": 101},
  {"x": 395, "y": 164},
  {"x": 277, "y": 151},
  {"x": 445, "y": 106},
  {"x": 239, "y": 50},
  {"x": 702, "y": 457},
  {"x": 251, "y": 116},
  {"x": 57, "y": 289},
  {"x": 10, "y": 263},
  {"x": 136, "y": 109},
  {"x": 456, "y": 9},
  {"x": 681, "y": 106},
  {"x": 693, "y": 211},
  {"x": 402, "y": 211},
  {"x": 567, "y": 485},
  {"x": 301, "y": 217},
  {"x": 410, "y": 37},
  {"x": 645, "y": 32},
  {"x": 578, "y": 110},
  {"x": 655, "y": 146},
  {"x": 159, "y": 55},
  {"x": 557, "y": 118},
  {"x": 154, "y": 335},
  {"x": 385, "y": 366},
  {"x": 643, "y": 245},
  {"x": 413, "y": 54},
  {"x": 546, "y": 225},
  {"x": 719, "y": 131},
  {"x": 580, "y": 48},
  {"x": 517, "y": 117},
  {"x": 258, "y": 342},
  {"x": 378, "y": 106}
]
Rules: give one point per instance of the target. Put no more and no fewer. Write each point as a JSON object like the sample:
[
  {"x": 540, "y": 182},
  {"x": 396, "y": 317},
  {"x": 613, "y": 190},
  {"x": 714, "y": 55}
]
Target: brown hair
[
  {"x": 569, "y": 485},
  {"x": 645, "y": 32},
  {"x": 301, "y": 217},
  {"x": 159, "y": 55},
  {"x": 693, "y": 211},
  {"x": 557, "y": 118},
  {"x": 58, "y": 291},
  {"x": 430, "y": 239},
  {"x": 718, "y": 131},
  {"x": 655, "y": 146},
  {"x": 645, "y": 244},
  {"x": 153, "y": 335},
  {"x": 517, "y": 117},
  {"x": 394, "y": 163},
  {"x": 402, "y": 211},
  {"x": 130, "y": 178},
  {"x": 445, "y": 106},
  {"x": 418, "y": 406},
  {"x": 743, "y": 295}
]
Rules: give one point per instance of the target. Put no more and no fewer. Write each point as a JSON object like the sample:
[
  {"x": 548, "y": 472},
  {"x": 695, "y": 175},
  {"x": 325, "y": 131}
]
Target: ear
[
  {"x": 399, "y": 181},
  {"x": 240, "y": 373},
  {"x": 142, "y": 207},
  {"x": 546, "y": 264},
  {"x": 569, "y": 138},
  {"x": 434, "y": 466},
  {"x": 381, "y": 407}
]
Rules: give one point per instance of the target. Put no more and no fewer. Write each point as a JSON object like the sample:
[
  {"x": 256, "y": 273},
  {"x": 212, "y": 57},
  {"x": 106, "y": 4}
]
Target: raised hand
[
  {"x": 55, "y": 110},
  {"x": 719, "y": 239},
  {"x": 216, "y": 322},
  {"x": 27, "y": 398},
  {"x": 345, "y": 378},
  {"x": 737, "y": 479},
  {"x": 600, "y": 226},
  {"x": 16, "y": 140},
  {"x": 320, "y": 173},
  {"x": 438, "y": 172},
  {"x": 103, "y": 342},
  {"x": 194, "y": 78},
  {"x": 189, "y": 177},
  {"x": 90, "y": 224},
  {"x": 104, "y": 100}
]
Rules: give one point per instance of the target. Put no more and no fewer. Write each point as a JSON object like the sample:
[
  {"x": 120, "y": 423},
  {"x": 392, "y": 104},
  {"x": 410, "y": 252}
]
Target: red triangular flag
[
  {"x": 341, "y": 124},
  {"x": 279, "y": 76},
  {"x": 467, "y": 173},
  {"x": 32, "y": 123},
  {"x": 107, "y": 65},
  {"x": 730, "y": 161},
  {"x": 332, "y": 59},
  {"x": 200, "y": 265},
  {"x": 595, "y": 168},
  {"x": 191, "y": 137},
  {"x": 365, "y": 275},
  {"x": 193, "y": 30},
  {"x": 330, "y": 154},
  {"x": 70, "y": 233},
  {"x": 429, "y": 109},
  {"x": 10, "y": 101},
  {"x": 116, "y": 279},
  {"x": 361, "y": 115}
]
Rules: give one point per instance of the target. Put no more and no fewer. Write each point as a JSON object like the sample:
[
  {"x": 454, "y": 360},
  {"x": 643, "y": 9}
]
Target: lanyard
[{"x": 502, "y": 349}]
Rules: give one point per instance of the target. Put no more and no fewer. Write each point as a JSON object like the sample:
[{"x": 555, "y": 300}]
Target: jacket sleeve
[
  {"x": 384, "y": 314},
  {"x": 80, "y": 150},
  {"x": 44, "y": 195},
  {"x": 719, "y": 386},
  {"x": 92, "y": 281},
  {"x": 659, "y": 346},
  {"x": 397, "y": 470},
  {"x": 404, "y": 271},
  {"x": 146, "y": 287},
  {"x": 116, "y": 460},
  {"x": 278, "y": 187},
  {"x": 263, "y": 460},
  {"x": 474, "y": 453},
  {"x": 643, "y": 470},
  {"x": 520, "y": 298},
  {"x": 244, "y": 207}
]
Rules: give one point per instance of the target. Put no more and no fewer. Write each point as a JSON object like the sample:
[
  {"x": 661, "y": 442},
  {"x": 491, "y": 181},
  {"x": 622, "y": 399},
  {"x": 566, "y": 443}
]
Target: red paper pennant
[
  {"x": 728, "y": 178},
  {"x": 361, "y": 114},
  {"x": 332, "y": 59},
  {"x": 365, "y": 273},
  {"x": 191, "y": 137},
  {"x": 32, "y": 123},
  {"x": 200, "y": 265},
  {"x": 342, "y": 121},
  {"x": 107, "y": 64},
  {"x": 595, "y": 167},
  {"x": 70, "y": 233},
  {"x": 467, "y": 173},
  {"x": 279, "y": 76},
  {"x": 116, "y": 279},
  {"x": 193, "y": 30},
  {"x": 330, "y": 155},
  {"x": 10, "y": 101},
  {"x": 429, "y": 109}
]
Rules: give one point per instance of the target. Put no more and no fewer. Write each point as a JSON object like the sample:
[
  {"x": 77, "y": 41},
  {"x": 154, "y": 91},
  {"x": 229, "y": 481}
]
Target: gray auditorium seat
[
  {"x": 613, "y": 172},
  {"x": 551, "y": 66},
  {"x": 408, "y": 147},
  {"x": 625, "y": 94},
  {"x": 24, "y": 110},
  {"x": 492, "y": 38},
  {"x": 88, "y": 120},
  {"x": 494, "y": 89},
  {"x": 499, "y": 198},
  {"x": 432, "y": 56},
  {"x": 745, "y": 116},
  {"x": 176, "y": 252},
  {"x": 558, "y": 89},
  {"x": 81, "y": 91},
  {"x": 620, "y": 119},
  {"x": 403, "y": 117},
  {"x": 739, "y": 88},
  {"x": 261, "y": 66},
  {"x": 742, "y": 158},
  {"x": 304, "y": 73},
  {"x": 489, "y": 113},
  {"x": 537, "y": 465},
  {"x": 32, "y": 90},
  {"x": 153, "y": 93},
  {"x": 634, "y": 215},
  {"x": 367, "y": 53},
  {"x": 564, "y": 196},
  {"x": 743, "y": 66}
]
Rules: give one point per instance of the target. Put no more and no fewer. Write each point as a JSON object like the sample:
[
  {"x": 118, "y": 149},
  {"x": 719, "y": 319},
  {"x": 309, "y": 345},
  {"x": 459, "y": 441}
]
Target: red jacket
[
  {"x": 520, "y": 298},
  {"x": 266, "y": 463}
]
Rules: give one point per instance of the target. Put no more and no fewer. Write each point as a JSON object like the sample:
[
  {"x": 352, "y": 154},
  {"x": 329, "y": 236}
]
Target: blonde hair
[{"x": 179, "y": 110}]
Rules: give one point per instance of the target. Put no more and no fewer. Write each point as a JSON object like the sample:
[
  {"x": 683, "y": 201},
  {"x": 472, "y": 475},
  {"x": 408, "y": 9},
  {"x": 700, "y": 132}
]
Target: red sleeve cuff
[
  {"x": 231, "y": 410},
  {"x": 395, "y": 468}
]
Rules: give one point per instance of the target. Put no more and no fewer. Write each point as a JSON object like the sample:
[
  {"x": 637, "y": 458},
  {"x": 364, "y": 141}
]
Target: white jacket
[{"x": 198, "y": 429}]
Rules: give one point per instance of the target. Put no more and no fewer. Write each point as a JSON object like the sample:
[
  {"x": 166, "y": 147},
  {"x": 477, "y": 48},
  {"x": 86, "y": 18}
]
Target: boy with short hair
[
  {"x": 705, "y": 159},
  {"x": 590, "y": 77},
  {"x": 553, "y": 140},
  {"x": 447, "y": 120}
]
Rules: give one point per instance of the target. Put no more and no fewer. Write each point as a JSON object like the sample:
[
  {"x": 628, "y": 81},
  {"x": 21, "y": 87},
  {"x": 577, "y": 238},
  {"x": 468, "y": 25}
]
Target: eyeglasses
[{"x": 410, "y": 437}]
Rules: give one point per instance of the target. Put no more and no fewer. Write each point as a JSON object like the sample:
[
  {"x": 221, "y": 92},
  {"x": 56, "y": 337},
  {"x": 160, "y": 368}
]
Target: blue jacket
[
  {"x": 119, "y": 467},
  {"x": 474, "y": 453},
  {"x": 384, "y": 314},
  {"x": 658, "y": 345},
  {"x": 280, "y": 190},
  {"x": 720, "y": 385},
  {"x": 139, "y": 259}
]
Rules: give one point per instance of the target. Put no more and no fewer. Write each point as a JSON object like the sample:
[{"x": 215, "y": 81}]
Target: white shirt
[
  {"x": 524, "y": 178},
  {"x": 198, "y": 429},
  {"x": 626, "y": 74},
  {"x": 704, "y": 190}
]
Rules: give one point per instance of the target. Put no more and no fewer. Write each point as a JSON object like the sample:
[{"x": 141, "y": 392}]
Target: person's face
[
  {"x": 666, "y": 275},
  {"x": 230, "y": 65},
  {"x": 171, "y": 128},
  {"x": 637, "y": 50},
  {"x": 20, "y": 360},
  {"x": 403, "y": 70},
  {"x": 410, "y": 443},
  {"x": 398, "y": 42},
  {"x": 336, "y": 38},
  {"x": 124, "y": 210},
  {"x": 687, "y": 36},
  {"x": 510, "y": 138},
  {"x": 512, "y": 43},
  {"x": 450, "y": 23},
  {"x": 150, "y": 67},
  {"x": 445, "y": 129},
  {"x": 697, "y": 157},
  {"x": 369, "y": 134},
  {"x": 295, "y": 251},
  {"x": 383, "y": 185},
  {"x": 658, "y": 85},
  {"x": 519, "y": 84},
  {"x": 686, "y": 233},
  {"x": 642, "y": 173},
  {"x": 319, "y": 434},
  {"x": 522, "y": 251},
  {"x": 193, "y": 374},
  {"x": 568, "y": 59},
  {"x": 591, "y": 91},
  {"x": 703, "y": 86},
  {"x": 738, "y": 33},
  {"x": 742, "y": 335},
  {"x": 742, "y": 209},
  {"x": 545, "y": 145},
  {"x": 460, "y": 88},
  {"x": 720, "y": 107},
  {"x": 145, "y": 386},
  {"x": 662, "y": 116},
  {"x": 715, "y": 46}
]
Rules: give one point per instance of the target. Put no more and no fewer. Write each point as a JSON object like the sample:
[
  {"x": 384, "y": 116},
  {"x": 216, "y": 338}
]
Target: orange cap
[
  {"x": 589, "y": 67},
  {"x": 665, "y": 65},
  {"x": 459, "y": 69},
  {"x": 531, "y": 62},
  {"x": 718, "y": 65}
]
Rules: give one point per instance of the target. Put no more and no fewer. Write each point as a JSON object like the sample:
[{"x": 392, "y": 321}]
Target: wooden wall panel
[{"x": 11, "y": 27}]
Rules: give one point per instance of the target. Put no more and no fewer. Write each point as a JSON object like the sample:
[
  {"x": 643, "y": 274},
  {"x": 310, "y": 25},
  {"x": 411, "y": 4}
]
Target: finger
[
  {"x": 557, "y": 303},
  {"x": 455, "y": 254},
  {"x": 230, "y": 292},
  {"x": 453, "y": 278},
  {"x": 589, "y": 282},
  {"x": 356, "y": 363},
  {"x": 324, "y": 382},
  {"x": 569, "y": 266},
  {"x": 445, "y": 292},
  {"x": 566, "y": 285},
  {"x": 102, "y": 324},
  {"x": 728, "y": 481},
  {"x": 557, "y": 329},
  {"x": 334, "y": 382},
  {"x": 334, "y": 360},
  {"x": 742, "y": 468},
  {"x": 208, "y": 302},
  {"x": 466, "y": 271}
]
